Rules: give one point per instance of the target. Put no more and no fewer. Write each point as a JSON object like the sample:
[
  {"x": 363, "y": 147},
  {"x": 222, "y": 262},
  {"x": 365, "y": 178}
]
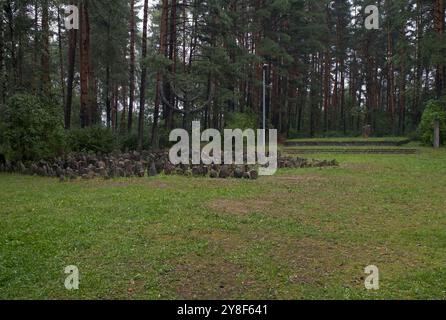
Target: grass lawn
[
  {"x": 303, "y": 234},
  {"x": 353, "y": 139}
]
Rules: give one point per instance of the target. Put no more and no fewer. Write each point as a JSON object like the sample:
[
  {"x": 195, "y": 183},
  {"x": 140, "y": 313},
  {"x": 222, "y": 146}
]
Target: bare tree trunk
[
  {"x": 35, "y": 65},
  {"x": 72, "y": 39},
  {"x": 390, "y": 80},
  {"x": 107, "y": 95},
  {"x": 132, "y": 64},
  {"x": 2, "y": 78},
  {"x": 114, "y": 108},
  {"x": 45, "y": 59},
  {"x": 418, "y": 70},
  {"x": 85, "y": 111},
  {"x": 439, "y": 25},
  {"x": 61, "y": 62},
  {"x": 123, "y": 124},
  {"x": 107, "y": 81},
  {"x": 173, "y": 58},
  {"x": 142, "y": 90},
  {"x": 12, "y": 68},
  {"x": 159, "y": 81},
  {"x": 327, "y": 88},
  {"x": 343, "y": 116}
]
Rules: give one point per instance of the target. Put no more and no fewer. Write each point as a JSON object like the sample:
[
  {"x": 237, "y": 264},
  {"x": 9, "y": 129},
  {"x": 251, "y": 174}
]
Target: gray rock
[
  {"x": 197, "y": 171},
  {"x": 253, "y": 174},
  {"x": 238, "y": 173},
  {"x": 224, "y": 172},
  {"x": 152, "y": 171},
  {"x": 169, "y": 169},
  {"x": 213, "y": 174},
  {"x": 101, "y": 164}
]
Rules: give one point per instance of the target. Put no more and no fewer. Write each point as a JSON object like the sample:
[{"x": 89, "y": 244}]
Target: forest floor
[{"x": 302, "y": 234}]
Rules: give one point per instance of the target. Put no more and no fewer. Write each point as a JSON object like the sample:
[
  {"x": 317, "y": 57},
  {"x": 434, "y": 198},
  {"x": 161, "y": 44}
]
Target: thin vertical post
[
  {"x": 437, "y": 134},
  {"x": 265, "y": 66}
]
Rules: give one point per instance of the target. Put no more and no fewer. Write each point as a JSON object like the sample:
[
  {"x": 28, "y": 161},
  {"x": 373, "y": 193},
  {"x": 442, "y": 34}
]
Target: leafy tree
[
  {"x": 434, "y": 112},
  {"x": 30, "y": 128}
]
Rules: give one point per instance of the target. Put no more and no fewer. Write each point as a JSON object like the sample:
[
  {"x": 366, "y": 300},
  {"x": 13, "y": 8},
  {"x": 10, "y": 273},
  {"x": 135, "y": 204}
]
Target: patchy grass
[
  {"x": 352, "y": 139},
  {"x": 303, "y": 234}
]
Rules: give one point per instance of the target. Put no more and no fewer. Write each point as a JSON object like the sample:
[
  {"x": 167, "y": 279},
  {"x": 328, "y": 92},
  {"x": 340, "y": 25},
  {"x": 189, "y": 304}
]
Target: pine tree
[{"x": 142, "y": 90}]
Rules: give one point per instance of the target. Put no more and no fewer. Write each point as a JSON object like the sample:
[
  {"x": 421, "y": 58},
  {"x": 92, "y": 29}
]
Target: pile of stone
[
  {"x": 296, "y": 162},
  {"x": 135, "y": 164}
]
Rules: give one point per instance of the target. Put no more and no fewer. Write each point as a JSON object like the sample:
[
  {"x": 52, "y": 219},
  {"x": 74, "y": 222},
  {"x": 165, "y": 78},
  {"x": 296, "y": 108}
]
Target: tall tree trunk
[
  {"x": 416, "y": 112},
  {"x": 142, "y": 91},
  {"x": 390, "y": 80},
  {"x": 327, "y": 74},
  {"x": 36, "y": 49},
  {"x": 173, "y": 58},
  {"x": 12, "y": 68},
  {"x": 439, "y": 15},
  {"x": 402, "y": 100},
  {"x": 61, "y": 62},
  {"x": 123, "y": 124},
  {"x": 85, "y": 68},
  {"x": 114, "y": 108},
  {"x": 2, "y": 78},
  {"x": 164, "y": 30},
  {"x": 107, "y": 95},
  {"x": 313, "y": 94},
  {"x": 132, "y": 64},
  {"x": 107, "y": 79},
  {"x": 159, "y": 80},
  {"x": 45, "y": 59},
  {"x": 72, "y": 39},
  {"x": 343, "y": 113}
]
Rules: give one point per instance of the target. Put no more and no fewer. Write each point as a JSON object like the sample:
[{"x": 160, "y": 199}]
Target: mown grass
[
  {"x": 303, "y": 234},
  {"x": 352, "y": 139}
]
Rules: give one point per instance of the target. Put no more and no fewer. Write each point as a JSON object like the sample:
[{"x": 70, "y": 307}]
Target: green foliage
[
  {"x": 129, "y": 141},
  {"x": 30, "y": 128},
  {"x": 94, "y": 139},
  {"x": 242, "y": 121},
  {"x": 434, "y": 112}
]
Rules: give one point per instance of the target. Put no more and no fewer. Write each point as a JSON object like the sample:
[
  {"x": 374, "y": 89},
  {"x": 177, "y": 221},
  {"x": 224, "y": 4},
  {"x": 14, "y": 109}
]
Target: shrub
[
  {"x": 242, "y": 121},
  {"x": 94, "y": 139},
  {"x": 434, "y": 112},
  {"x": 30, "y": 128}
]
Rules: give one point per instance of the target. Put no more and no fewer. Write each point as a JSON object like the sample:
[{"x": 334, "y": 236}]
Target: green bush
[
  {"x": 30, "y": 128},
  {"x": 94, "y": 139},
  {"x": 434, "y": 112},
  {"x": 242, "y": 121}
]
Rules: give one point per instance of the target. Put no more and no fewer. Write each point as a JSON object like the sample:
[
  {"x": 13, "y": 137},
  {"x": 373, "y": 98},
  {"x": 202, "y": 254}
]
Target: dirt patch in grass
[
  {"x": 208, "y": 278},
  {"x": 239, "y": 207},
  {"x": 308, "y": 260},
  {"x": 270, "y": 202},
  {"x": 158, "y": 184},
  {"x": 220, "y": 241},
  {"x": 313, "y": 261}
]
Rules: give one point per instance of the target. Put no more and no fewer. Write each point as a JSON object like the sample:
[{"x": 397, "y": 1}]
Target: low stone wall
[{"x": 135, "y": 164}]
